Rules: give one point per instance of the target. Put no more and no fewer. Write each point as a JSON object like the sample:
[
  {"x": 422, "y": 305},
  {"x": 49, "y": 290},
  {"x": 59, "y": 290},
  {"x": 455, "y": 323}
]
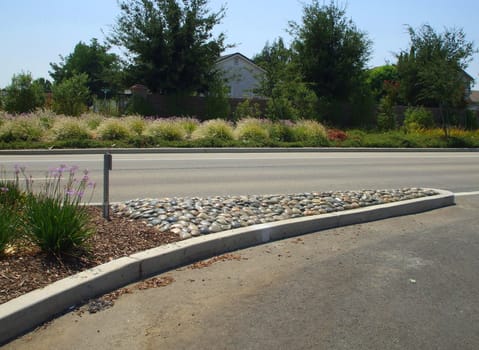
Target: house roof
[
  {"x": 467, "y": 76},
  {"x": 240, "y": 55}
]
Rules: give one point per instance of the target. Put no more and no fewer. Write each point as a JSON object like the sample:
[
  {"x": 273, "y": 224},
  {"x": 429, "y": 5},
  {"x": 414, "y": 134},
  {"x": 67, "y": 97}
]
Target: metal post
[{"x": 107, "y": 166}]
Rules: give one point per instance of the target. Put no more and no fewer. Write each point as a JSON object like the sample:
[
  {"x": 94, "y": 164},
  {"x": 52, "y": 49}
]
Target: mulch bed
[{"x": 28, "y": 268}]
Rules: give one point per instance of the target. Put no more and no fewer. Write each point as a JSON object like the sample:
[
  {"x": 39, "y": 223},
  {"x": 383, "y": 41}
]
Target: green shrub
[
  {"x": 56, "y": 227},
  {"x": 416, "y": 118},
  {"x": 386, "y": 119},
  {"x": 11, "y": 200},
  {"x": 10, "y": 194},
  {"x": 92, "y": 120},
  {"x": 310, "y": 132},
  {"x": 280, "y": 108},
  {"x": 216, "y": 130},
  {"x": 21, "y": 128},
  {"x": 54, "y": 218},
  {"x": 136, "y": 124},
  {"x": 68, "y": 128},
  {"x": 247, "y": 109},
  {"x": 354, "y": 138},
  {"x": 113, "y": 129},
  {"x": 23, "y": 94},
  {"x": 385, "y": 122},
  {"x": 166, "y": 130},
  {"x": 71, "y": 96},
  {"x": 252, "y": 130},
  {"x": 292, "y": 100},
  {"x": 189, "y": 125},
  {"x": 9, "y": 226},
  {"x": 217, "y": 102},
  {"x": 46, "y": 117},
  {"x": 281, "y": 131}
]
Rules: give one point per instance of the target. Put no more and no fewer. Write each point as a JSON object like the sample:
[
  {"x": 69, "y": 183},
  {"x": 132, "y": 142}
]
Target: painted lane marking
[{"x": 462, "y": 194}]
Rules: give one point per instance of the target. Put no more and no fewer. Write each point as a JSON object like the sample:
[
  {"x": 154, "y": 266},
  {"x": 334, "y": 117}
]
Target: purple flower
[
  {"x": 70, "y": 192},
  {"x": 4, "y": 189},
  {"x": 73, "y": 169}
]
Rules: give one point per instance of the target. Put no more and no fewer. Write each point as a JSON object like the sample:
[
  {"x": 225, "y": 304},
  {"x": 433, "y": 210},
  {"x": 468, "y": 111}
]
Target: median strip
[{"x": 28, "y": 311}]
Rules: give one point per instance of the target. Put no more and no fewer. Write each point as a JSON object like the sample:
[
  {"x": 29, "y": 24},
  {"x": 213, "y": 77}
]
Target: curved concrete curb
[{"x": 30, "y": 310}]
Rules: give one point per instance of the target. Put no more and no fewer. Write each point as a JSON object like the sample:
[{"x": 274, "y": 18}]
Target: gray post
[{"x": 107, "y": 166}]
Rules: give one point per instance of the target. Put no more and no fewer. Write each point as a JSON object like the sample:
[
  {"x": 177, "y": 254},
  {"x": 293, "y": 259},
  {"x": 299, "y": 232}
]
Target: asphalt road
[
  {"x": 168, "y": 175},
  {"x": 402, "y": 283}
]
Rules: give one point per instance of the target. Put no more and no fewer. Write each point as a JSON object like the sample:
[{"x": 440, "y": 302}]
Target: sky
[{"x": 34, "y": 33}]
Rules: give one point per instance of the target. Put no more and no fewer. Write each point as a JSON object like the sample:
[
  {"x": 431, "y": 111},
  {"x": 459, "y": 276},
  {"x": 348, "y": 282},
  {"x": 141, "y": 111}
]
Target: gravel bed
[{"x": 195, "y": 216}]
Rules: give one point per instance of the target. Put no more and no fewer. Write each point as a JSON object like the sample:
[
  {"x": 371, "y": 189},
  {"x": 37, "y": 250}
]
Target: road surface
[
  {"x": 169, "y": 175},
  {"x": 402, "y": 283}
]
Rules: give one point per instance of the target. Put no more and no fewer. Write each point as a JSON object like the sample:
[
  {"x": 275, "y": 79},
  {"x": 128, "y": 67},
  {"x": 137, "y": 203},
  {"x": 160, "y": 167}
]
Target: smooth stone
[
  {"x": 195, "y": 233},
  {"x": 204, "y": 230},
  {"x": 184, "y": 235},
  {"x": 214, "y": 228},
  {"x": 235, "y": 224}
]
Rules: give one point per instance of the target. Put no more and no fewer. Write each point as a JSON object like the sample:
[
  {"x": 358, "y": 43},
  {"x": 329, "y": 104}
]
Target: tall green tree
[
  {"x": 290, "y": 97},
  {"x": 276, "y": 60},
  {"x": 102, "y": 68},
  {"x": 170, "y": 44},
  {"x": 45, "y": 84},
  {"x": 431, "y": 70},
  {"x": 330, "y": 50},
  {"x": 23, "y": 94}
]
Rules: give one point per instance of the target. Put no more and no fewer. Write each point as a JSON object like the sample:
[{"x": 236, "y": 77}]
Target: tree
[
  {"x": 103, "y": 69},
  {"x": 45, "y": 84},
  {"x": 171, "y": 47},
  {"x": 23, "y": 94},
  {"x": 380, "y": 78},
  {"x": 290, "y": 97},
  {"x": 431, "y": 71},
  {"x": 70, "y": 97},
  {"x": 276, "y": 60},
  {"x": 331, "y": 52}
]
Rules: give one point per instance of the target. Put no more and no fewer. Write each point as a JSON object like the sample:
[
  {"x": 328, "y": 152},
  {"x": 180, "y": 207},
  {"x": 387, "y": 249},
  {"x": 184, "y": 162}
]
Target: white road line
[{"x": 462, "y": 194}]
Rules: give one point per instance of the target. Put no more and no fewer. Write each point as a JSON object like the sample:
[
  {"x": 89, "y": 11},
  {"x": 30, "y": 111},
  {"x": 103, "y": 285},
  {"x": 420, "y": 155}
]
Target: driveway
[{"x": 402, "y": 283}]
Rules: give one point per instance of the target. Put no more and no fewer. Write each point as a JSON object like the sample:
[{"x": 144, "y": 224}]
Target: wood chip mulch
[{"x": 28, "y": 268}]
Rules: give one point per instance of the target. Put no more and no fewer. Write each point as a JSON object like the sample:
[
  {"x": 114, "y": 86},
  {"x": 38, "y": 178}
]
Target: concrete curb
[
  {"x": 30, "y": 310},
  {"x": 226, "y": 150}
]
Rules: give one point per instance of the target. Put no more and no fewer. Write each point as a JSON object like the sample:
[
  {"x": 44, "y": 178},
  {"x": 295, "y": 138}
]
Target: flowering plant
[
  {"x": 56, "y": 218},
  {"x": 52, "y": 215}
]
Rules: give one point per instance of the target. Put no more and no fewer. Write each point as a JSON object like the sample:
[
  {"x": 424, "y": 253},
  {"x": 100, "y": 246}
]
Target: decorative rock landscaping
[{"x": 196, "y": 216}]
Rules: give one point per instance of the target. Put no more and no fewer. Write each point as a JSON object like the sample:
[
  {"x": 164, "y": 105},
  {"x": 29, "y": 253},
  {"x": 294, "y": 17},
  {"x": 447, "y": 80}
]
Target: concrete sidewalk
[{"x": 402, "y": 283}]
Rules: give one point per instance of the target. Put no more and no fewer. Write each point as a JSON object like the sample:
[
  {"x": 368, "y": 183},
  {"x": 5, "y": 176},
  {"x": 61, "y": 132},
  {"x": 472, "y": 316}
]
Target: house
[
  {"x": 473, "y": 101},
  {"x": 468, "y": 82},
  {"x": 242, "y": 75}
]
